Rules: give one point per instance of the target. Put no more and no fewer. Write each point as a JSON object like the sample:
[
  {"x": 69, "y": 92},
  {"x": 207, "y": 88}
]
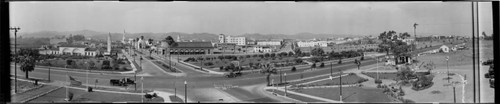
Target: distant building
[
  {"x": 79, "y": 50},
  {"x": 263, "y": 49},
  {"x": 312, "y": 44},
  {"x": 228, "y": 39},
  {"x": 444, "y": 49},
  {"x": 269, "y": 43},
  {"x": 188, "y": 48}
]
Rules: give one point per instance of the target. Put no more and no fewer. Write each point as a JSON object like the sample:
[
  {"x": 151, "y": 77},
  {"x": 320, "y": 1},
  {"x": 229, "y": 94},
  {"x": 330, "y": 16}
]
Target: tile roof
[
  {"x": 193, "y": 45},
  {"x": 72, "y": 45}
]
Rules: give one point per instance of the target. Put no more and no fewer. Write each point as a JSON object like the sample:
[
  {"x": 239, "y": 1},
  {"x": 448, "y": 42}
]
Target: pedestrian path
[{"x": 305, "y": 95}]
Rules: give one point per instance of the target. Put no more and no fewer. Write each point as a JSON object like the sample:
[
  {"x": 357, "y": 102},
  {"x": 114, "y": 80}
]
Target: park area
[
  {"x": 81, "y": 96},
  {"x": 350, "y": 94},
  {"x": 92, "y": 63},
  {"x": 212, "y": 62},
  {"x": 351, "y": 78}
]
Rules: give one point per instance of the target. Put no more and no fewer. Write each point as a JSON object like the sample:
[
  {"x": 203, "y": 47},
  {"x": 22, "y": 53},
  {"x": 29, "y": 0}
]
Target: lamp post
[
  {"x": 87, "y": 76},
  {"x": 185, "y": 91},
  {"x": 448, "y": 69},
  {"x": 340, "y": 85},
  {"x": 135, "y": 81},
  {"x": 15, "y": 57},
  {"x": 142, "y": 88},
  {"x": 285, "y": 84}
]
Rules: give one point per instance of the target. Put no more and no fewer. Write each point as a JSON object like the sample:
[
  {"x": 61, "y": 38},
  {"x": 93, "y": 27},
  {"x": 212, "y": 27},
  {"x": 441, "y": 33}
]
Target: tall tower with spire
[
  {"x": 123, "y": 37},
  {"x": 178, "y": 38},
  {"x": 109, "y": 43}
]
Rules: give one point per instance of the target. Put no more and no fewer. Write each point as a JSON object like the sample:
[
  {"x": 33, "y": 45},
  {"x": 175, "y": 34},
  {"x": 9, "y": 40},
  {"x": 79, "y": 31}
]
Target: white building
[
  {"x": 78, "y": 50},
  {"x": 312, "y": 44},
  {"x": 263, "y": 49},
  {"x": 266, "y": 43},
  {"x": 228, "y": 39},
  {"x": 444, "y": 49}
]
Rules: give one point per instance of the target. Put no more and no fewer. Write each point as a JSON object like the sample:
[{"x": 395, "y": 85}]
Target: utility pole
[{"x": 15, "y": 52}]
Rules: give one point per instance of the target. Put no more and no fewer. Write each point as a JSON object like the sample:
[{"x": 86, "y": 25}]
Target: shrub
[
  {"x": 221, "y": 68},
  {"x": 378, "y": 81},
  {"x": 294, "y": 69},
  {"x": 313, "y": 65},
  {"x": 322, "y": 65},
  {"x": 339, "y": 62}
]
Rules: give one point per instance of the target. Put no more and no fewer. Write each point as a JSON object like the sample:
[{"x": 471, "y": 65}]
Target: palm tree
[{"x": 27, "y": 59}]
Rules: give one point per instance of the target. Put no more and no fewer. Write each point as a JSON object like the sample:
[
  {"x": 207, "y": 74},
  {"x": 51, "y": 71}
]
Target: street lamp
[
  {"x": 142, "y": 88},
  {"x": 87, "y": 76},
  {"x": 15, "y": 57},
  {"x": 340, "y": 85},
  {"x": 448, "y": 69},
  {"x": 285, "y": 84},
  {"x": 185, "y": 91}
]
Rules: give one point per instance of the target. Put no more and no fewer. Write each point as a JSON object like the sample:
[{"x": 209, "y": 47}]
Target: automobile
[
  {"x": 491, "y": 72},
  {"x": 488, "y": 62},
  {"x": 492, "y": 83},
  {"x": 121, "y": 82},
  {"x": 231, "y": 74}
]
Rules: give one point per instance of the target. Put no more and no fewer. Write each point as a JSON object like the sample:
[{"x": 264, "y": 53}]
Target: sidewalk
[{"x": 304, "y": 95}]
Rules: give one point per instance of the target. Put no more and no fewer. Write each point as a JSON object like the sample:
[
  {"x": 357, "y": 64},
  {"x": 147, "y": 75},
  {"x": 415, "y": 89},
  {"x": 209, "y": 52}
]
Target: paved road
[{"x": 197, "y": 80}]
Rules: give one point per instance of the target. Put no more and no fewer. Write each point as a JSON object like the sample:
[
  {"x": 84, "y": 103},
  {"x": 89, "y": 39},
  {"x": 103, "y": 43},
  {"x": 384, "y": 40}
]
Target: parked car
[
  {"x": 492, "y": 83},
  {"x": 121, "y": 82},
  {"x": 488, "y": 62},
  {"x": 491, "y": 72},
  {"x": 231, "y": 74}
]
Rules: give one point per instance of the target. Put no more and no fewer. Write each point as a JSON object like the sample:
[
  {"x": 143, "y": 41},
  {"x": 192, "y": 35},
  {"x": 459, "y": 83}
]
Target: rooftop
[{"x": 194, "y": 45}]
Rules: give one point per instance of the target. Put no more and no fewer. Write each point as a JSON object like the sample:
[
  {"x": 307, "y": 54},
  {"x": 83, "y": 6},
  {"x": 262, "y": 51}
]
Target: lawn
[
  {"x": 350, "y": 94},
  {"x": 346, "y": 80},
  {"x": 244, "y": 61},
  {"x": 123, "y": 64},
  {"x": 391, "y": 76},
  {"x": 23, "y": 86},
  {"x": 166, "y": 67},
  {"x": 83, "y": 96},
  {"x": 293, "y": 96}
]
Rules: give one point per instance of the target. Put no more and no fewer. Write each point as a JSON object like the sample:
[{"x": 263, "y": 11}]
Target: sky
[{"x": 237, "y": 18}]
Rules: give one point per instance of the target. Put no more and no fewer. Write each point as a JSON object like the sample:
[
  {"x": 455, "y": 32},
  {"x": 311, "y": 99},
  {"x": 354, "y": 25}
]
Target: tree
[
  {"x": 317, "y": 52},
  {"x": 170, "y": 41},
  {"x": 290, "y": 53},
  {"x": 322, "y": 65},
  {"x": 340, "y": 60},
  {"x": 298, "y": 60},
  {"x": 297, "y": 51},
  {"x": 313, "y": 65},
  {"x": 78, "y": 38},
  {"x": 294, "y": 69},
  {"x": 273, "y": 54},
  {"x": 405, "y": 74},
  {"x": 267, "y": 55},
  {"x": 386, "y": 38},
  {"x": 27, "y": 59}
]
